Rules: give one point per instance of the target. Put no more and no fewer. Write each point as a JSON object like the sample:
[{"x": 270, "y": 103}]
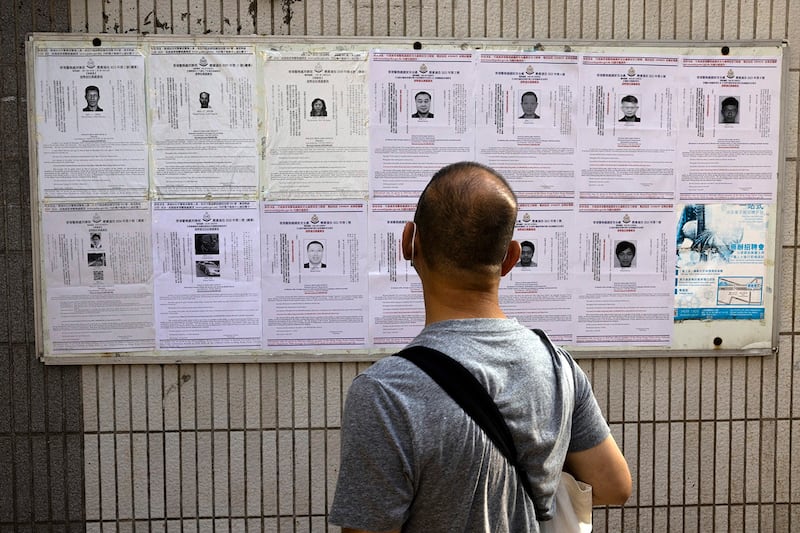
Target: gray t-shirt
[{"x": 412, "y": 458}]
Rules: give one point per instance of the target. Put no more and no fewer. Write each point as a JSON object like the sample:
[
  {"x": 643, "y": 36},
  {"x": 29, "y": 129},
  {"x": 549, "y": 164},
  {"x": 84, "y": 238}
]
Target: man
[
  {"x": 314, "y": 250},
  {"x": 729, "y": 111},
  {"x": 529, "y": 104},
  {"x": 423, "y": 101},
  {"x": 411, "y": 457},
  {"x": 526, "y": 255},
  {"x": 205, "y": 98},
  {"x": 625, "y": 252},
  {"x": 629, "y": 105},
  {"x": 92, "y": 95},
  {"x": 95, "y": 238}
]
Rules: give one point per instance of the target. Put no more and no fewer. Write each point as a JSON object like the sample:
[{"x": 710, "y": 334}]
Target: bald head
[{"x": 465, "y": 219}]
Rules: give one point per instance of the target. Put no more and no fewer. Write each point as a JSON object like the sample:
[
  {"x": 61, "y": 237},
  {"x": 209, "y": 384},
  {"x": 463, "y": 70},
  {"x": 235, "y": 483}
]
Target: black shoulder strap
[
  {"x": 546, "y": 340},
  {"x": 473, "y": 398}
]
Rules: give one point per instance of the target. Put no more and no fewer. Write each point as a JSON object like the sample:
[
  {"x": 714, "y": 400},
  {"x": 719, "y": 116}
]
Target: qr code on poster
[{"x": 98, "y": 275}]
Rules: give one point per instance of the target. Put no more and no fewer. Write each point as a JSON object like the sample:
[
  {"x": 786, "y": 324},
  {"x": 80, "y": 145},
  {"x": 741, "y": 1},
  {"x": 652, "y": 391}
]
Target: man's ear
[
  {"x": 408, "y": 238},
  {"x": 512, "y": 257}
]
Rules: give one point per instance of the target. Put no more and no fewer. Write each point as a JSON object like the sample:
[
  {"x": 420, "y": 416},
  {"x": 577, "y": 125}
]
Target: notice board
[{"x": 201, "y": 199}]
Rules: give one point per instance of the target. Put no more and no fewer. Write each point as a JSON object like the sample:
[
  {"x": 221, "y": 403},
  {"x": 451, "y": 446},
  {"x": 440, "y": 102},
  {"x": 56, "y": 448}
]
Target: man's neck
[{"x": 446, "y": 302}]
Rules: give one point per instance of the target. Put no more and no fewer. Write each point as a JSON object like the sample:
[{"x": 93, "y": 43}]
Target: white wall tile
[
  {"x": 318, "y": 397},
  {"x": 783, "y": 460},
  {"x": 723, "y": 382},
  {"x": 122, "y": 398},
  {"x": 269, "y": 472},
  {"x": 155, "y": 391},
  {"x": 645, "y": 482},
  {"x": 236, "y": 395},
  {"x": 253, "y": 470},
  {"x": 722, "y": 463},
  {"x": 317, "y": 471},
  {"x": 174, "y": 526},
  {"x": 237, "y": 476},
  {"x": 646, "y": 392},
  {"x": 676, "y": 467},
  {"x": 333, "y": 447},
  {"x": 138, "y": 397},
  {"x": 269, "y": 396},
  {"x": 662, "y": 385},
  {"x": 90, "y": 396},
  {"x": 692, "y": 385},
  {"x": 108, "y": 478},
  {"x": 661, "y": 471},
  {"x": 285, "y": 487},
  {"x": 155, "y": 475},
  {"x": 91, "y": 472},
  {"x": 205, "y": 474},
  {"x": 787, "y": 24},
  {"x": 124, "y": 475},
  {"x": 219, "y": 396},
  {"x": 691, "y": 452},
  {"x": 204, "y": 394},
  {"x": 707, "y": 462},
  {"x": 172, "y": 473},
  {"x": 285, "y": 395},
  {"x": 140, "y": 475},
  {"x": 221, "y": 472},
  {"x": 105, "y": 397},
  {"x": 252, "y": 396},
  {"x": 335, "y": 397},
  {"x": 616, "y": 392},
  {"x": 189, "y": 473},
  {"x": 186, "y": 397},
  {"x": 677, "y": 389},
  {"x": 300, "y": 395}
]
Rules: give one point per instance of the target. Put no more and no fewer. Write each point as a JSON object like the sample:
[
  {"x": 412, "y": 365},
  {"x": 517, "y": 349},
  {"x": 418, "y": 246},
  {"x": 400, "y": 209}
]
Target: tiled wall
[
  {"x": 254, "y": 447},
  {"x": 41, "y": 438}
]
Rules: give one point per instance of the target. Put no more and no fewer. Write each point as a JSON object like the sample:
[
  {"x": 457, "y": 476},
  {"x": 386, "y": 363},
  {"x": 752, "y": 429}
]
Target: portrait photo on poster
[
  {"x": 624, "y": 254},
  {"x": 728, "y": 110},
  {"x": 527, "y": 256},
  {"x": 315, "y": 254},
  {"x": 629, "y": 105},
  {"x": 319, "y": 108},
  {"x": 423, "y": 102},
  {"x": 92, "y": 96},
  {"x": 529, "y": 102}
]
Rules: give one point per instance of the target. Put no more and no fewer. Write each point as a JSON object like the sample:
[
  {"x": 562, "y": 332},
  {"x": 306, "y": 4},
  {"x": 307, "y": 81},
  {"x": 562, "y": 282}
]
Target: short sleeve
[
  {"x": 589, "y": 427},
  {"x": 374, "y": 489}
]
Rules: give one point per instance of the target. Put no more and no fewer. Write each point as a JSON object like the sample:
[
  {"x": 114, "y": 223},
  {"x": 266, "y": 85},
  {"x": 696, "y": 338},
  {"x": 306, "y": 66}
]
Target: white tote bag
[{"x": 573, "y": 507}]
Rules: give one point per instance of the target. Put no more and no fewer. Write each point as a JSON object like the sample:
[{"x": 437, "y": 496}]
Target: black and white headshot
[
  {"x": 92, "y": 95},
  {"x": 422, "y": 100},
  {"x": 729, "y": 110}
]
